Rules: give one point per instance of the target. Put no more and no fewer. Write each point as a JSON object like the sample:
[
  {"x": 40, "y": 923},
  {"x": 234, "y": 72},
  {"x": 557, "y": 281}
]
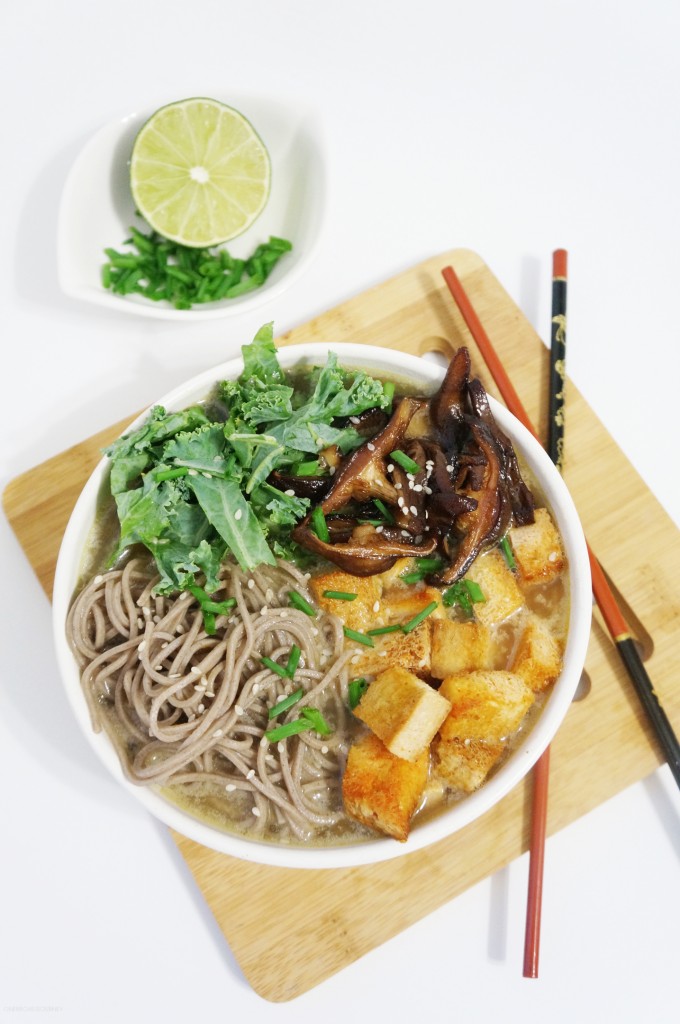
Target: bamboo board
[{"x": 334, "y": 917}]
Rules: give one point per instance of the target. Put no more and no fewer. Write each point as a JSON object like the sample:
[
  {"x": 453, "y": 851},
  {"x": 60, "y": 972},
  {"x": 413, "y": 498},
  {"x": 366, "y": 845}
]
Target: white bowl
[
  {"x": 97, "y": 209},
  {"x": 514, "y": 769}
]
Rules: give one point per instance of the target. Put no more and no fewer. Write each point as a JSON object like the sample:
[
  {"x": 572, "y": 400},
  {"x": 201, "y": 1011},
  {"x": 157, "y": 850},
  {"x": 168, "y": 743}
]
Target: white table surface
[{"x": 507, "y": 128}]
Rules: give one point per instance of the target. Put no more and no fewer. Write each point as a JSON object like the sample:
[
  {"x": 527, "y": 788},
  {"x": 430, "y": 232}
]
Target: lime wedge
[{"x": 199, "y": 172}]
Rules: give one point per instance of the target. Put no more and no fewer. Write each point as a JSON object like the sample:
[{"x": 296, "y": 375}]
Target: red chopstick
[{"x": 614, "y": 620}]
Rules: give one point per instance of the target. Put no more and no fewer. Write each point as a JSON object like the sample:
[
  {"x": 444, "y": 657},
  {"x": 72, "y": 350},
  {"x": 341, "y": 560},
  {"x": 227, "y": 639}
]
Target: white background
[{"x": 510, "y": 128}]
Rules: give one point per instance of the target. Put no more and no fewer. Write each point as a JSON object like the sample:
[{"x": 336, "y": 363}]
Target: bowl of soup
[{"x": 322, "y": 609}]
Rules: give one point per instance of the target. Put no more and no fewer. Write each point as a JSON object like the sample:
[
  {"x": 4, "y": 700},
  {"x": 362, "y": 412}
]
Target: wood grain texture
[{"x": 289, "y": 930}]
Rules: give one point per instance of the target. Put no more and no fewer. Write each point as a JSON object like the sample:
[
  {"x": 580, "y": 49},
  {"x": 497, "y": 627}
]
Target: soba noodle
[{"x": 189, "y": 710}]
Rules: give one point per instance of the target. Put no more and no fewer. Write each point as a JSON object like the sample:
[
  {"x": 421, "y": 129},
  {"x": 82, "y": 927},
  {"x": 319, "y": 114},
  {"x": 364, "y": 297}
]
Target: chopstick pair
[{"x": 614, "y": 620}]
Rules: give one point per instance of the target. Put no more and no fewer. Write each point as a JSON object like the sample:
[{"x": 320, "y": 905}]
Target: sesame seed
[
  {"x": 201, "y": 708},
  {"x": 251, "y": 584},
  {"x": 371, "y": 447},
  {"x": 218, "y": 732},
  {"x": 98, "y": 579},
  {"x": 383, "y": 654},
  {"x": 290, "y": 493},
  {"x": 417, "y": 487},
  {"x": 390, "y": 468},
  {"x": 256, "y": 811},
  {"x": 238, "y": 710},
  {"x": 324, "y": 749},
  {"x": 146, "y": 611},
  {"x": 354, "y": 419},
  {"x": 238, "y": 513},
  {"x": 200, "y": 688},
  {"x": 397, "y": 487},
  {"x": 331, "y": 471},
  {"x": 405, "y": 533},
  {"x": 449, "y": 469},
  {"x": 230, "y": 788},
  {"x": 166, "y": 644},
  {"x": 193, "y": 472},
  {"x": 281, "y": 747},
  {"x": 354, "y": 659},
  {"x": 142, "y": 646},
  {"x": 414, "y": 510},
  {"x": 376, "y": 606},
  {"x": 400, "y": 501},
  {"x": 206, "y": 474},
  {"x": 315, "y": 631},
  {"x": 428, "y": 490},
  {"x": 210, "y": 693},
  {"x": 264, "y": 609},
  {"x": 251, "y": 774},
  {"x": 256, "y": 687},
  {"x": 283, "y": 613},
  {"x": 378, "y": 529}
]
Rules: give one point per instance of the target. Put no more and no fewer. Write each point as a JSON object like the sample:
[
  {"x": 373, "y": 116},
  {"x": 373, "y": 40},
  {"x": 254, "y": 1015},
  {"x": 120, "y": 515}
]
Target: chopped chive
[
  {"x": 298, "y": 601},
  {"x": 319, "y": 525},
  {"x": 282, "y": 732},
  {"x": 404, "y": 461},
  {"x": 360, "y": 638},
  {"x": 475, "y": 591},
  {"x": 275, "y": 667},
  {"x": 382, "y": 507},
  {"x": 355, "y": 691},
  {"x": 417, "y": 619},
  {"x": 340, "y": 595},
  {"x": 372, "y": 522},
  {"x": 388, "y": 390},
  {"x": 286, "y": 703},
  {"x": 504, "y": 545},
  {"x": 171, "y": 474},
  {"x": 318, "y": 722},
  {"x": 383, "y": 629},
  {"x": 308, "y": 468},
  {"x": 219, "y": 607},
  {"x": 293, "y": 660},
  {"x": 208, "y": 622}
]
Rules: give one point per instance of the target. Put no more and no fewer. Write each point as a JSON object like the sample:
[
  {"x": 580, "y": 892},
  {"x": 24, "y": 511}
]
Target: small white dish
[
  {"x": 379, "y": 360},
  {"x": 97, "y": 208}
]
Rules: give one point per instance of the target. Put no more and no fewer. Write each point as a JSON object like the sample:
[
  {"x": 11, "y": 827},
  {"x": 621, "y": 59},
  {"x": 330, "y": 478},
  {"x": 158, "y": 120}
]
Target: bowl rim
[{"x": 458, "y": 815}]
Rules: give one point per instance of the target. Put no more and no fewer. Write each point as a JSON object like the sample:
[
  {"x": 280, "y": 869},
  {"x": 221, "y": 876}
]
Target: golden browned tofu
[
  {"x": 359, "y": 614},
  {"x": 537, "y": 549},
  {"x": 409, "y": 650},
  {"x": 401, "y": 605},
  {"x": 403, "y": 711},
  {"x": 485, "y": 705},
  {"x": 392, "y": 577},
  {"x": 538, "y": 658},
  {"x": 465, "y": 764},
  {"x": 502, "y": 595},
  {"x": 459, "y": 647},
  {"x": 383, "y": 791}
]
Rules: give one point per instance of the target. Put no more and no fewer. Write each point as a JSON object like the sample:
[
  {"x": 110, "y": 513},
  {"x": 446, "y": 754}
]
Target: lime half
[{"x": 199, "y": 172}]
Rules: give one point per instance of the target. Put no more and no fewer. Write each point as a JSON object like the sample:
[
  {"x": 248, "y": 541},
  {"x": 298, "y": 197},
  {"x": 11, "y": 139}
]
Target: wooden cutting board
[{"x": 290, "y": 930}]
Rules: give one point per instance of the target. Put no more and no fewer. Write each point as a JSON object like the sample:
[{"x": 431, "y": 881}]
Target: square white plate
[{"x": 97, "y": 208}]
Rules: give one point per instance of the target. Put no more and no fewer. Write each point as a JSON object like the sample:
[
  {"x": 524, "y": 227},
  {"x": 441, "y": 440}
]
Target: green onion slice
[
  {"x": 275, "y": 667},
  {"x": 360, "y": 638},
  {"x": 388, "y": 390},
  {"x": 308, "y": 468},
  {"x": 319, "y": 723},
  {"x": 504, "y": 545},
  {"x": 298, "y": 601},
  {"x": 417, "y": 619},
  {"x": 383, "y": 629},
  {"x": 319, "y": 525},
  {"x": 355, "y": 691},
  {"x": 282, "y": 732},
  {"x": 340, "y": 595},
  {"x": 382, "y": 507},
  {"x": 405, "y": 462},
  {"x": 286, "y": 703},
  {"x": 293, "y": 660}
]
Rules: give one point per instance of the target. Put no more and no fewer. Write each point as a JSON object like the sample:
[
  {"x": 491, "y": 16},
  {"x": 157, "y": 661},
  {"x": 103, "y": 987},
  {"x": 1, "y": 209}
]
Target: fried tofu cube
[
  {"x": 403, "y": 711},
  {"x": 538, "y": 657},
  {"x": 392, "y": 577},
  {"x": 383, "y": 791},
  {"x": 502, "y": 595},
  {"x": 408, "y": 650},
  {"x": 537, "y": 549},
  {"x": 459, "y": 647},
  {"x": 358, "y": 614},
  {"x": 465, "y": 764},
  {"x": 399, "y": 606},
  {"x": 485, "y": 705}
]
